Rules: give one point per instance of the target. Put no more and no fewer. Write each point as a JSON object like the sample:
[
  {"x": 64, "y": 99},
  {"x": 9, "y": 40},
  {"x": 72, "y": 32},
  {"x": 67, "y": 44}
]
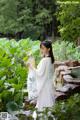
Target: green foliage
[
  {"x": 64, "y": 50},
  {"x": 68, "y": 110},
  {"x": 28, "y": 18},
  {"x": 8, "y": 16},
  {"x": 69, "y": 16},
  {"x": 13, "y": 73}
]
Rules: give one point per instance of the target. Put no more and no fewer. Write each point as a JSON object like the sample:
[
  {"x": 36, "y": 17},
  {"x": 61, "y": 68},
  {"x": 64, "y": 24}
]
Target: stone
[
  {"x": 72, "y": 63},
  {"x": 58, "y": 63},
  {"x": 60, "y": 96},
  {"x": 67, "y": 78}
]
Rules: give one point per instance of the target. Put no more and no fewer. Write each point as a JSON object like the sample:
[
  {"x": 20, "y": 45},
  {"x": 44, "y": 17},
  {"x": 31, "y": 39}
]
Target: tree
[
  {"x": 69, "y": 16},
  {"x": 27, "y": 18}
]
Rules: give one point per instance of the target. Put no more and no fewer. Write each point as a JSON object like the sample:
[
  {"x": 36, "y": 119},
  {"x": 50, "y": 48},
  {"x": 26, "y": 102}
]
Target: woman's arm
[{"x": 40, "y": 68}]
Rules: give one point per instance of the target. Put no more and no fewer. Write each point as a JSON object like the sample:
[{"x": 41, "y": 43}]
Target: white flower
[
  {"x": 13, "y": 60},
  {"x": 34, "y": 115},
  {"x": 12, "y": 90}
]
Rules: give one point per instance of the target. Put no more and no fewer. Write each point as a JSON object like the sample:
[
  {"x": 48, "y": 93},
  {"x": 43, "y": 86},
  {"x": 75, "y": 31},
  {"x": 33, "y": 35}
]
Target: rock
[
  {"x": 66, "y": 84},
  {"x": 58, "y": 63},
  {"x": 67, "y": 78},
  {"x": 74, "y": 88},
  {"x": 60, "y": 96},
  {"x": 72, "y": 63},
  {"x": 65, "y": 89},
  {"x": 67, "y": 72}
]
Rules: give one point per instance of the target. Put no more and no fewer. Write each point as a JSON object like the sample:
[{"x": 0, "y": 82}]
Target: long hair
[{"x": 48, "y": 44}]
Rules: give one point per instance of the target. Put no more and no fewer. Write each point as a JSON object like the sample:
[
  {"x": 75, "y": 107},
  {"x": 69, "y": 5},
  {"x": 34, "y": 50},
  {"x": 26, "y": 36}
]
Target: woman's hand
[{"x": 29, "y": 65}]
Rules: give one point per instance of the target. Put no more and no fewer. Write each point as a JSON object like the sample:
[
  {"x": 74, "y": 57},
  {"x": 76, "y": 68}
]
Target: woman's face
[{"x": 44, "y": 51}]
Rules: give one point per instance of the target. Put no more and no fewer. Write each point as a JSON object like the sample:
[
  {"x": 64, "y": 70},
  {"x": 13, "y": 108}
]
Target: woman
[{"x": 44, "y": 77}]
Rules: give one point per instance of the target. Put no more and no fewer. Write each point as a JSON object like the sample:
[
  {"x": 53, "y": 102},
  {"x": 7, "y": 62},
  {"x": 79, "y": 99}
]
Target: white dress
[
  {"x": 31, "y": 81},
  {"x": 31, "y": 85},
  {"x": 45, "y": 88}
]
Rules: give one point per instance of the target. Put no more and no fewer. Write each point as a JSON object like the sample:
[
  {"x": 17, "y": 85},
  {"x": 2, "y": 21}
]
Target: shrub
[
  {"x": 64, "y": 50},
  {"x": 69, "y": 16},
  {"x": 13, "y": 73}
]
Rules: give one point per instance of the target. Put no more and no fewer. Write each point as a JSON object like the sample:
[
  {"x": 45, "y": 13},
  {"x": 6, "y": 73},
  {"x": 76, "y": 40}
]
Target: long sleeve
[
  {"x": 40, "y": 74},
  {"x": 40, "y": 68}
]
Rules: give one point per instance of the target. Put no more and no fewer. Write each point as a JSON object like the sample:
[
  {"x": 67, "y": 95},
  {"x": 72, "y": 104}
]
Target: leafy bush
[
  {"x": 69, "y": 16},
  {"x": 64, "y": 50},
  {"x": 68, "y": 110},
  {"x": 22, "y": 19},
  {"x": 13, "y": 72}
]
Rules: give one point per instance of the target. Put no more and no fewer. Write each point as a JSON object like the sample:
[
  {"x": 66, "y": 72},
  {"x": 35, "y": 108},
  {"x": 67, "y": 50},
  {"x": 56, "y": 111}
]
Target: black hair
[{"x": 48, "y": 44}]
